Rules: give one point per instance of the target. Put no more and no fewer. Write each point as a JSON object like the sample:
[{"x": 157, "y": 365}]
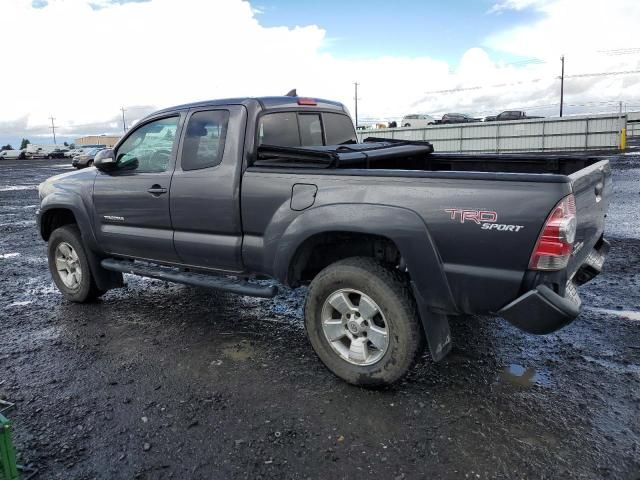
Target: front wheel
[
  {"x": 362, "y": 322},
  {"x": 69, "y": 265}
]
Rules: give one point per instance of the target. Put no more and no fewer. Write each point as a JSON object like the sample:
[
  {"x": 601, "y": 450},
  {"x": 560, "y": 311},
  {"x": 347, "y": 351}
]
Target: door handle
[{"x": 157, "y": 190}]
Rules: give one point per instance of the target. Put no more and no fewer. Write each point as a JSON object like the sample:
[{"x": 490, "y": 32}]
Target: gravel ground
[{"x": 163, "y": 381}]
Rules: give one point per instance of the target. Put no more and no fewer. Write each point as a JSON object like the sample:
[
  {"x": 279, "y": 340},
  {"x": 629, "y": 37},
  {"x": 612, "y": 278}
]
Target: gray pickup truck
[{"x": 392, "y": 238}]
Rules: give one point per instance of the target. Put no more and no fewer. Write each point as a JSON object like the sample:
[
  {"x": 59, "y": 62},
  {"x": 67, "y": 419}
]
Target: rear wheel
[
  {"x": 362, "y": 322},
  {"x": 69, "y": 265}
]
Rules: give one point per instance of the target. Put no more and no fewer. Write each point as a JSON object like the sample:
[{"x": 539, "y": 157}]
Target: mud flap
[
  {"x": 436, "y": 327},
  {"x": 105, "y": 279}
]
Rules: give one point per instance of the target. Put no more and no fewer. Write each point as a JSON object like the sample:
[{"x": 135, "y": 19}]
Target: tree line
[{"x": 23, "y": 145}]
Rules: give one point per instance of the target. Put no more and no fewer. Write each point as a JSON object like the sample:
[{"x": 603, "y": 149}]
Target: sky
[{"x": 80, "y": 61}]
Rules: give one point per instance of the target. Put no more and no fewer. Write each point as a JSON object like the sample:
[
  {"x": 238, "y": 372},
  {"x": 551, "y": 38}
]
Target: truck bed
[
  {"x": 383, "y": 154},
  {"x": 485, "y": 269}
]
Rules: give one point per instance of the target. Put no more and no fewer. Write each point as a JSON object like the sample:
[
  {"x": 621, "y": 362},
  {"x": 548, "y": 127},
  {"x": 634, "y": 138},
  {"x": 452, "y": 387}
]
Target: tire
[
  {"x": 66, "y": 242},
  {"x": 383, "y": 291},
  {"x": 407, "y": 125}
]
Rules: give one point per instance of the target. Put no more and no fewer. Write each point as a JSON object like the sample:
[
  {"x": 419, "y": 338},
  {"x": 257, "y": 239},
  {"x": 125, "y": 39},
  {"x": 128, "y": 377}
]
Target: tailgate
[{"x": 592, "y": 189}]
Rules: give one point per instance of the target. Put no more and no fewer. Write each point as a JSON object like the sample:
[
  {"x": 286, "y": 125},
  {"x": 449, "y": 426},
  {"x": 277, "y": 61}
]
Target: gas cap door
[{"x": 303, "y": 195}]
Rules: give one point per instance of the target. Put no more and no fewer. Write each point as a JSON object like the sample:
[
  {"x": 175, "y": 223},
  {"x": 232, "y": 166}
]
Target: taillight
[
  {"x": 307, "y": 101},
  {"x": 555, "y": 243}
]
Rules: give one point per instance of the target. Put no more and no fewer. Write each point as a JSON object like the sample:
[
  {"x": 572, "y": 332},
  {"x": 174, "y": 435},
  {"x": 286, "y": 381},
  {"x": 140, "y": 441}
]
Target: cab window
[
  {"x": 204, "y": 139},
  {"x": 148, "y": 149},
  {"x": 279, "y": 129},
  {"x": 310, "y": 129},
  {"x": 291, "y": 129},
  {"x": 339, "y": 129}
]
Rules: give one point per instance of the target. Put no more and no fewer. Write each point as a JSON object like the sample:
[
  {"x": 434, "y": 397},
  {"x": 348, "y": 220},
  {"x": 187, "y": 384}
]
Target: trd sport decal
[{"x": 487, "y": 219}]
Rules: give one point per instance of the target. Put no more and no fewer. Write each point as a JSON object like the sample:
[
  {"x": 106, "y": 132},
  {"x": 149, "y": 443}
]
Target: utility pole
[
  {"x": 53, "y": 129},
  {"x": 124, "y": 123},
  {"x": 562, "y": 85},
  {"x": 355, "y": 84}
]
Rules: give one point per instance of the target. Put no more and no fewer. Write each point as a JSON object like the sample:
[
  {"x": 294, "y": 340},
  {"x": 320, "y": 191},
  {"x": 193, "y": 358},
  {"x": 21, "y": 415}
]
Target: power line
[
  {"x": 532, "y": 80},
  {"x": 603, "y": 74},
  {"x": 620, "y": 51},
  {"x": 480, "y": 87}
]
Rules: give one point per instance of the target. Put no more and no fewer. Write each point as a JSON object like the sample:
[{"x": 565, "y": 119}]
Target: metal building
[
  {"x": 108, "y": 140},
  {"x": 586, "y": 132}
]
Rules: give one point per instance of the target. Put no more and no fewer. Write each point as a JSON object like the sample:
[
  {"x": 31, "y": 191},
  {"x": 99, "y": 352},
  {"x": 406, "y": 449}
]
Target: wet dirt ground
[{"x": 162, "y": 381}]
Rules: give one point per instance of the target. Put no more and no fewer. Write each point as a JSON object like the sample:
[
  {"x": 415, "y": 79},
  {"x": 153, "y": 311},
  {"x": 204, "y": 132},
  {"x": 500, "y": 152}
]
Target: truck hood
[{"x": 66, "y": 181}]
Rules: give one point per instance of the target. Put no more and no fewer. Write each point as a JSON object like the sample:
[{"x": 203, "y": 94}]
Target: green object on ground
[{"x": 8, "y": 467}]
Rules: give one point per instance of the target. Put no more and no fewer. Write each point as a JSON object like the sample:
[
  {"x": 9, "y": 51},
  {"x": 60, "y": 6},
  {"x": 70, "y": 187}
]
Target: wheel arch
[
  {"x": 57, "y": 211},
  {"x": 395, "y": 227},
  {"x": 406, "y": 230},
  {"x": 53, "y": 218}
]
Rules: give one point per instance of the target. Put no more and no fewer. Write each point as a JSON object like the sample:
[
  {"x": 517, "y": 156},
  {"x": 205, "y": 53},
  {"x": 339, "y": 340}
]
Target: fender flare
[
  {"x": 409, "y": 233},
  {"x": 60, "y": 200},
  {"x": 105, "y": 279}
]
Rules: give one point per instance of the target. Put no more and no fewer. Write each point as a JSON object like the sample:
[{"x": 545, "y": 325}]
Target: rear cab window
[{"x": 305, "y": 129}]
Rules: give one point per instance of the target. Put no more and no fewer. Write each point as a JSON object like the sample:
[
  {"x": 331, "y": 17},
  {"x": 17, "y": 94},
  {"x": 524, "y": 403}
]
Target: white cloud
[
  {"x": 504, "y": 5},
  {"x": 81, "y": 64}
]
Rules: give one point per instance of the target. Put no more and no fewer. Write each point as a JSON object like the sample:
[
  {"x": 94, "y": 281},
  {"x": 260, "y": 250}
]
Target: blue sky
[
  {"x": 408, "y": 56},
  {"x": 443, "y": 30}
]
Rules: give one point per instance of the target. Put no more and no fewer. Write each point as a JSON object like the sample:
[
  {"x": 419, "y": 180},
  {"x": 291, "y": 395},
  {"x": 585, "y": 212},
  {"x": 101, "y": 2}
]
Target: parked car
[
  {"x": 56, "y": 153},
  {"x": 45, "y": 151},
  {"x": 448, "y": 118},
  {"x": 85, "y": 159},
  {"x": 510, "y": 115},
  {"x": 417, "y": 121},
  {"x": 391, "y": 238},
  {"x": 13, "y": 155}
]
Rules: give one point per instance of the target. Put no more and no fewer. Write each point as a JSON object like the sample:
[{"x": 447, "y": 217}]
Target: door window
[
  {"x": 148, "y": 149},
  {"x": 204, "y": 141}
]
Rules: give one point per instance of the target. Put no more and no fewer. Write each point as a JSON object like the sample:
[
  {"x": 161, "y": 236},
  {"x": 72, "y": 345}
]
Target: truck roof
[{"x": 264, "y": 103}]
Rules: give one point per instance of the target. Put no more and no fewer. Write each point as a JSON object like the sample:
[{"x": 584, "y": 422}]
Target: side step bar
[{"x": 169, "y": 274}]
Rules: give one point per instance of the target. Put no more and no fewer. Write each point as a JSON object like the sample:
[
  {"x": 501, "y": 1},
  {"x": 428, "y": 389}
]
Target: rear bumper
[{"x": 542, "y": 310}]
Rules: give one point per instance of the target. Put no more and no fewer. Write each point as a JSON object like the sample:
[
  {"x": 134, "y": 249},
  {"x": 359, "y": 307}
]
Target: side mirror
[{"x": 105, "y": 160}]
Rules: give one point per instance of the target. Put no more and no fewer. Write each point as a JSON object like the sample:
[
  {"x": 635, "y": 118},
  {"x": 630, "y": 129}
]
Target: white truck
[
  {"x": 46, "y": 150},
  {"x": 12, "y": 154}
]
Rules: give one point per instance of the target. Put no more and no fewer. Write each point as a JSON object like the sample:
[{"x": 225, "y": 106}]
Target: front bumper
[{"x": 542, "y": 310}]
